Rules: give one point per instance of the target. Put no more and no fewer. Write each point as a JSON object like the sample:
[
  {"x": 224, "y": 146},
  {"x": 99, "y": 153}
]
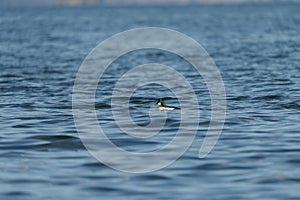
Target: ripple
[
  {"x": 269, "y": 97},
  {"x": 254, "y": 46},
  {"x": 17, "y": 194},
  {"x": 291, "y": 105}
]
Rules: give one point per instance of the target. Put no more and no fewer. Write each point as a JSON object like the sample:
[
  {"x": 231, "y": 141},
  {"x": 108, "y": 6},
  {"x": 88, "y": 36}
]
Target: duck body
[
  {"x": 167, "y": 108},
  {"x": 162, "y": 106}
]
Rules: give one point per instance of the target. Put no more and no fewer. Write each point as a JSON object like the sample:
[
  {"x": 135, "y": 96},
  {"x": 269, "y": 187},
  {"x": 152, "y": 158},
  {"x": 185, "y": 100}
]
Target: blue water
[{"x": 257, "y": 50}]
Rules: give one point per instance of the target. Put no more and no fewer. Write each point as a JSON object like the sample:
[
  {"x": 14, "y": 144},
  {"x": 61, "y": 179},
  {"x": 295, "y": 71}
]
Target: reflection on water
[{"x": 256, "y": 48}]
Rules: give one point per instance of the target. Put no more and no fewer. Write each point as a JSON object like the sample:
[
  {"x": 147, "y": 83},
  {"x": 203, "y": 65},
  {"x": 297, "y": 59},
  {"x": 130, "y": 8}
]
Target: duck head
[{"x": 161, "y": 103}]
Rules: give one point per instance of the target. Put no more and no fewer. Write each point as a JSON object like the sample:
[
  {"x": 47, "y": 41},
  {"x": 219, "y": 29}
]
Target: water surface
[{"x": 257, "y": 49}]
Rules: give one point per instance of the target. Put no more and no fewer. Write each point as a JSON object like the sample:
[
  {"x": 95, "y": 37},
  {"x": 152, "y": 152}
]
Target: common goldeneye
[{"x": 162, "y": 105}]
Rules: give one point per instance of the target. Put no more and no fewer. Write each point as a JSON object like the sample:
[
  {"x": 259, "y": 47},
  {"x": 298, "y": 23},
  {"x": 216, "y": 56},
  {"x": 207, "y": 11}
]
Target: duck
[{"x": 162, "y": 105}]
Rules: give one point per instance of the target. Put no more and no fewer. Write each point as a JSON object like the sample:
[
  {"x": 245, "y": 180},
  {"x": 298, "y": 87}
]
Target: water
[{"x": 257, "y": 49}]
